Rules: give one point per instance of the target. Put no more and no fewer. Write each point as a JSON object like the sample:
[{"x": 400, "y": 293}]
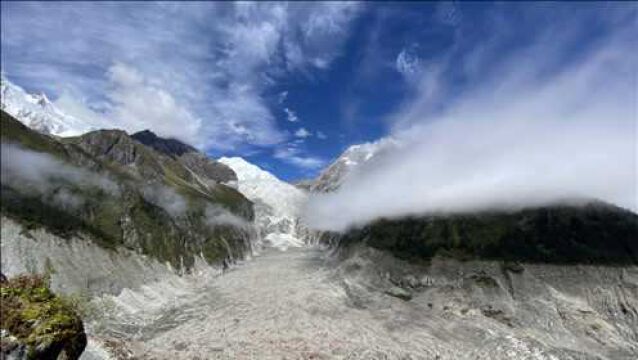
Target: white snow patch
[{"x": 39, "y": 113}]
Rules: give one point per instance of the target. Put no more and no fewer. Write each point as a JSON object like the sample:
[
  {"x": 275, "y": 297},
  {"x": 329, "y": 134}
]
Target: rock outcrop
[
  {"x": 37, "y": 324},
  {"x": 200, "y": 164}
]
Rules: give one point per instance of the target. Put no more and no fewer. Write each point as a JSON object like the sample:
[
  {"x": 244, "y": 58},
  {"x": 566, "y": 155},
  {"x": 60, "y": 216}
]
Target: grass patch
[{"x": 46, "y": 324}]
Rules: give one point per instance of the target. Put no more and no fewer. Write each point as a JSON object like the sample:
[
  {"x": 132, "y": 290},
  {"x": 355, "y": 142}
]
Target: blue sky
[{"x": 290, "y": 86}]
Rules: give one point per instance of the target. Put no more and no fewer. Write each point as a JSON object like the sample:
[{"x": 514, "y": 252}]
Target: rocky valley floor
[{"x": 290, "y": 305}]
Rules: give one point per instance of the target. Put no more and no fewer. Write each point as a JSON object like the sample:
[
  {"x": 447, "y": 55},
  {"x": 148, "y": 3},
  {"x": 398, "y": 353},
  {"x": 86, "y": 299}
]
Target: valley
[{"x": 166, "y": 253}]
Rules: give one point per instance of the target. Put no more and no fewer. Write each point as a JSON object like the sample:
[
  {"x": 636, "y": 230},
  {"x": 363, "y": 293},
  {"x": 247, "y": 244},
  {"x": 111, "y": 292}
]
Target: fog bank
[
  {"x": 41, "y": 174},
  {"x": 521, "y": 138}
]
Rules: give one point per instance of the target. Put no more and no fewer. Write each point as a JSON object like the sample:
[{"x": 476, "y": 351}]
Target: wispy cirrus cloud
[
  {"x": 291, "y": 115},
  {"x": 408, "y": 63},
  {"x": 195, "y": 71},
  {"x": 291, "y": 154}
]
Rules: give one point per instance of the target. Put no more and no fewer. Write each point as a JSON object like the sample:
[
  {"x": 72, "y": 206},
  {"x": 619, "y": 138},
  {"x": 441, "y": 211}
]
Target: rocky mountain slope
[
  {"x": 277, "y": 203},
  {"x": 202, "y": 166},
  {"x": 117, "y": 192}
]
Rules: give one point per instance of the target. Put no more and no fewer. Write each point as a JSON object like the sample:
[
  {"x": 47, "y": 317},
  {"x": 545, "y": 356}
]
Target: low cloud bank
[
  {"x": 176, "y": 205},
  {"x": 517, "y": 140},
  {"x": 60, "y": 184},
  {"x": 166, "y": 198},
  {"x": 43, "y": 175},
  {"x": 218, "y": 216}
]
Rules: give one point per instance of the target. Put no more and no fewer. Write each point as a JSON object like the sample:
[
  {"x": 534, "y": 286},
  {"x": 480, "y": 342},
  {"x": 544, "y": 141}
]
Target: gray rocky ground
[{"x": 305, "y": 304}]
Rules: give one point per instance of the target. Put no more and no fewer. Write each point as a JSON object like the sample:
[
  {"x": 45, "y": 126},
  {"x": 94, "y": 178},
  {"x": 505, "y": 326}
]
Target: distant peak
[
  {"x": 41, "y": 98},
  {"x": 168, "y": 146},
  {"x": 146, "y": 133}
]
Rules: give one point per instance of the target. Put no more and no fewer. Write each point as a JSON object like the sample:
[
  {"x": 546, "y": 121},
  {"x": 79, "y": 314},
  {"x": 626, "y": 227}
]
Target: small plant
[{"x": 42, "y": 322}]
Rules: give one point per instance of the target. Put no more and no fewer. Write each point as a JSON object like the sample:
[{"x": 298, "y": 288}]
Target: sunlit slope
[{"x": 120, "y": 193}]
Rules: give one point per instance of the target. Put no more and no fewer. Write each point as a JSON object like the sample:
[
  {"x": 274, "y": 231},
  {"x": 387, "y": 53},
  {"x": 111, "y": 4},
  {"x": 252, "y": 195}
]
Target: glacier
[{"x": 277, "y": 203}]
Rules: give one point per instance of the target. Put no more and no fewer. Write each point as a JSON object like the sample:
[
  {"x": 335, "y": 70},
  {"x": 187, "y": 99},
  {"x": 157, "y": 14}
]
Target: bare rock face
[
  {"x": 207, "y": 168},
  {"x": 490, "y": 309},
  {"x": 171, "y": 147},
  {"x": 116, "y": 146},
  {"x": 200, "y": 164}
]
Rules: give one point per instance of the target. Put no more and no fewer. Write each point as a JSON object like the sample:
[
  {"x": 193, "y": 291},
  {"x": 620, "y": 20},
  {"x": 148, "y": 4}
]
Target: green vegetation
[
  {"x": 592, "y": 233},
  {"x": 44, "y": 323},
  {"x": 123, "y": 217}
]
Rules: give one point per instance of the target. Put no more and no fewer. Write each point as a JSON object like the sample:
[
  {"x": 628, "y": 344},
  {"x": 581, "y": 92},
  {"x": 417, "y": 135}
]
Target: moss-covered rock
[{"x": 36, "y": 323}]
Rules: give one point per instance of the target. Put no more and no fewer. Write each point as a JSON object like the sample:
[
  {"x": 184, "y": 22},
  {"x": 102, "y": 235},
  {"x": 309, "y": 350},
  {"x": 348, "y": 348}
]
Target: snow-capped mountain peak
[
  {"x": 38, "y": 112},
  {"x": 356, "y": 155},
  {"x": 258, "y": 184}
]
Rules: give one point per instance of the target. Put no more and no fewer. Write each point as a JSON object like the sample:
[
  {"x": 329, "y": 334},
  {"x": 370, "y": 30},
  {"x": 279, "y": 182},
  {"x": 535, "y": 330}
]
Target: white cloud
[
  {"x": 291, "y": 155},
  {"x": 139, "y": 105},
  {"x": 320, "y": 32},
  {"x": 320, "y": 135},
  {"x": 200, "y": 71},
  {"x": 40, "y": 174},
  {"x": 408, "y": 63},
  {"x": 218, "y": 216},
  {"x": 290, "y": 115},
  {"x": 282, "y": 97},
  {"x": 166, "y": 198},
  {"x": 521, "y": 137},
  {"x": 302, "y": 133}
]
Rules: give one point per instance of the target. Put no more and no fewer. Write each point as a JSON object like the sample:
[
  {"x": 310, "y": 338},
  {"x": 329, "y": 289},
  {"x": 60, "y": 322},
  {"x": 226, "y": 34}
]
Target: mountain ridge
[
  {"x": 187, "y": 155},
  {"x": 152, "y": 205}
]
